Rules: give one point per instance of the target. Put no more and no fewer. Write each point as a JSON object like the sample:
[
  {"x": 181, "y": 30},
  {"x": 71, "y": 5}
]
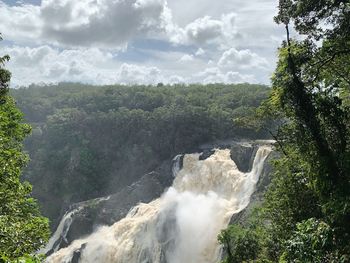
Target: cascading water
[
  {"x": 176, "y": 164},
  {"x": 63, "y": 227},
  {"x": 181, "y": 226},
  {"x": 60, "y": 233}
]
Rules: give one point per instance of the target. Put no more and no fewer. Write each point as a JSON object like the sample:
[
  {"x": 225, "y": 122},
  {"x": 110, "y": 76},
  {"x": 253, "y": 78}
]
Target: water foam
[{"x": 183, "y": 224}]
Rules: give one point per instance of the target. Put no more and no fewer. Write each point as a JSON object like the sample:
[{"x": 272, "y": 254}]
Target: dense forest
[
  {"x": 305, "y": 216},
  {"x": 90, "y": 141}
]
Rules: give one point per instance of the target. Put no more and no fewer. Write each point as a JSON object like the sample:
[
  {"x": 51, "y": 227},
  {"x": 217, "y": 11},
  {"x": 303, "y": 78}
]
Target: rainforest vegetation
[
  {"x": 86, "y": 141},
  {"x": 22, "y": 229},
  {"x": 306, "y": 213},
  {"x": 91, "y": 141}
]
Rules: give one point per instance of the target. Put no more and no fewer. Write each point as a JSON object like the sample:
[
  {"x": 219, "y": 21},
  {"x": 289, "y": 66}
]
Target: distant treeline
[{"x": 89, "y": 141}]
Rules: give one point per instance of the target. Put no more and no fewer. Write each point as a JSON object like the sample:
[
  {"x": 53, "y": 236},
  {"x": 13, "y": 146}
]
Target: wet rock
[
  {"x": 108, "y": 210},
  {"x": 257, "y": 197},
  {"x": 243, "y": 155},
  {"x": 206, "y": 154},
  {"x": 77, "y": 254}
]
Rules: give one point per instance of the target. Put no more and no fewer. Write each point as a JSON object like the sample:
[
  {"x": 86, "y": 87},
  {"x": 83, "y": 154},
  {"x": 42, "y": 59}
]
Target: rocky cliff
[{"x": 83, "y": 218}]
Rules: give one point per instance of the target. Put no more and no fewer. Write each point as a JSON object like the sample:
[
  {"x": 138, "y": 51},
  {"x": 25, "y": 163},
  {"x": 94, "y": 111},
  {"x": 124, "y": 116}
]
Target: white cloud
[
  {"x": 47, "y": 64},
  {"x": 200, "y": 52},
  {"x": 254, "y": 27},
  {"x": 101, "y": 23},
  {"x": 132, "y": 74},
  {"x": 104, "y": 23},
  {"x": 241, "y": 59},
  {"x": 108, "y": 24},
  {"x": 203, "y": 30},
  {"x": 20, "y": 23},
  {"x": 26, "y": 57},
  {"x": 206, "y": 30},
  {"x": 86, "y": 40},
  {"x": 215, "y": 75},
  {"x": 186, "y": 58},
  {"x": 91, "y": 65},
  {"x": 88, "y": 65}
]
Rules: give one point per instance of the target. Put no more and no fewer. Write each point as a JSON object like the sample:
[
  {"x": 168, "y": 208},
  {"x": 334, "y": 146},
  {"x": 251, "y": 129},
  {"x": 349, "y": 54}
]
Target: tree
[
  {"x": 313, "y": 241},
  {"x": 90, "y": 141},
  {"x": 22, "y": 229},
  {"x": 310, "y": 92},
  {"x": 5, "y": 77},
  {"x": 240, "y": 243}
]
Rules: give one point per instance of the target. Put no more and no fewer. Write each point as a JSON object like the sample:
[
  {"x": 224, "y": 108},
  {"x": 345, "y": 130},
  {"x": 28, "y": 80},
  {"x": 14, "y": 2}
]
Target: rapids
[{"x": 183, "y": 224}]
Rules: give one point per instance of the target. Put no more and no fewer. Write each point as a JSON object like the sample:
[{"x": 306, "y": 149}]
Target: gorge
[{"x": 180, "y": 226}]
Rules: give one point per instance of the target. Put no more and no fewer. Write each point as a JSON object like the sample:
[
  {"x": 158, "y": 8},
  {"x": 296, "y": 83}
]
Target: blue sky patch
[{"x": 19, "y": 2}]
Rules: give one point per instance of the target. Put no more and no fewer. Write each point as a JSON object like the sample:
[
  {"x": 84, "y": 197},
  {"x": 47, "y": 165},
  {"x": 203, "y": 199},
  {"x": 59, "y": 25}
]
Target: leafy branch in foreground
[
  {"x": 22, "y": 229},
  {"x": 306, "y": 91},
  {"x": 306, "y": 213}
]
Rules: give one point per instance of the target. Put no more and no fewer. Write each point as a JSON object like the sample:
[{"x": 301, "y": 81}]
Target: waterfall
[
  {"x": 60, "y": 233},
  {"x": 183, "y": 224},
  {"x": 63, "y": 227},
  {"x": 176, "y": 167}
]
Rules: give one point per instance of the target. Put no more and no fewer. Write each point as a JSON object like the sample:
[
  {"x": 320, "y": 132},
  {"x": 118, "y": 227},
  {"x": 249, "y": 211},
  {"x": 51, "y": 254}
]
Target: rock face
[
  {"x": 257, "y": 197},
  {"x": 242, "y": 152},
  {"x": 116, "y": 206},
  {"x": 108, "y": 210},
  {"x": 88, "y": 215},
  {"x": 243, "y": 155}
]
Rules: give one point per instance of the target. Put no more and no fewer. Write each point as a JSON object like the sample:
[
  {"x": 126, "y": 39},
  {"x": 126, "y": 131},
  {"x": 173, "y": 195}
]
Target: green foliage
[
  {"x": 248, "y": 240},
  {"x": 241, "y": 244},
  {"x": 313, "y": 241},
  {"x": 23, "y": 259},
  {"x": 22, "y": 229},
  {"x": 90, "y": 141},
  {"x": 5, "y": 76},
  {"x": 306, "y": 212},
  {"x": 312, "y": 177},
  {"x": 289, "y": 200}
]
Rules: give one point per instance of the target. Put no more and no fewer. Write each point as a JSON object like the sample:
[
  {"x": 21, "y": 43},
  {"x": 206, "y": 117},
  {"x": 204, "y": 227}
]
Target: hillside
[{"x": 91, "y": 141}]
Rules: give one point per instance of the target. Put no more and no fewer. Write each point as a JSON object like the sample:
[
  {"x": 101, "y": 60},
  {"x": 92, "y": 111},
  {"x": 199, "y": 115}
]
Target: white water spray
[
  {"x": 176, "y": 164},
  {"x": 181, "y": 226},
  {"x": 60, "y": 233},
  {"x": 63, "y": 227}
]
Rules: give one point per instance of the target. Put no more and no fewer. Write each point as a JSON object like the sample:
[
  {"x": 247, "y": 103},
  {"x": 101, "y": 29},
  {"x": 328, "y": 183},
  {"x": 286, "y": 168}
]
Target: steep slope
[
  {"x": 207, "y": 191},
  {"x": 92, "y": 141}
]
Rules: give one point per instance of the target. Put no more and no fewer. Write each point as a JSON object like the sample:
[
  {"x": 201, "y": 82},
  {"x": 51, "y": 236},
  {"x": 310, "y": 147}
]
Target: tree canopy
[
  {"x": 90, "y": 141},
  {"x": 306, "y": 213},
  {"x": 22, "y": 229}
]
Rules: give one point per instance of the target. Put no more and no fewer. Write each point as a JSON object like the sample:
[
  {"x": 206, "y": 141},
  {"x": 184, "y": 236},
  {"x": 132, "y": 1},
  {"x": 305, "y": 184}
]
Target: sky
[{"x": 140, "y": 41}]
